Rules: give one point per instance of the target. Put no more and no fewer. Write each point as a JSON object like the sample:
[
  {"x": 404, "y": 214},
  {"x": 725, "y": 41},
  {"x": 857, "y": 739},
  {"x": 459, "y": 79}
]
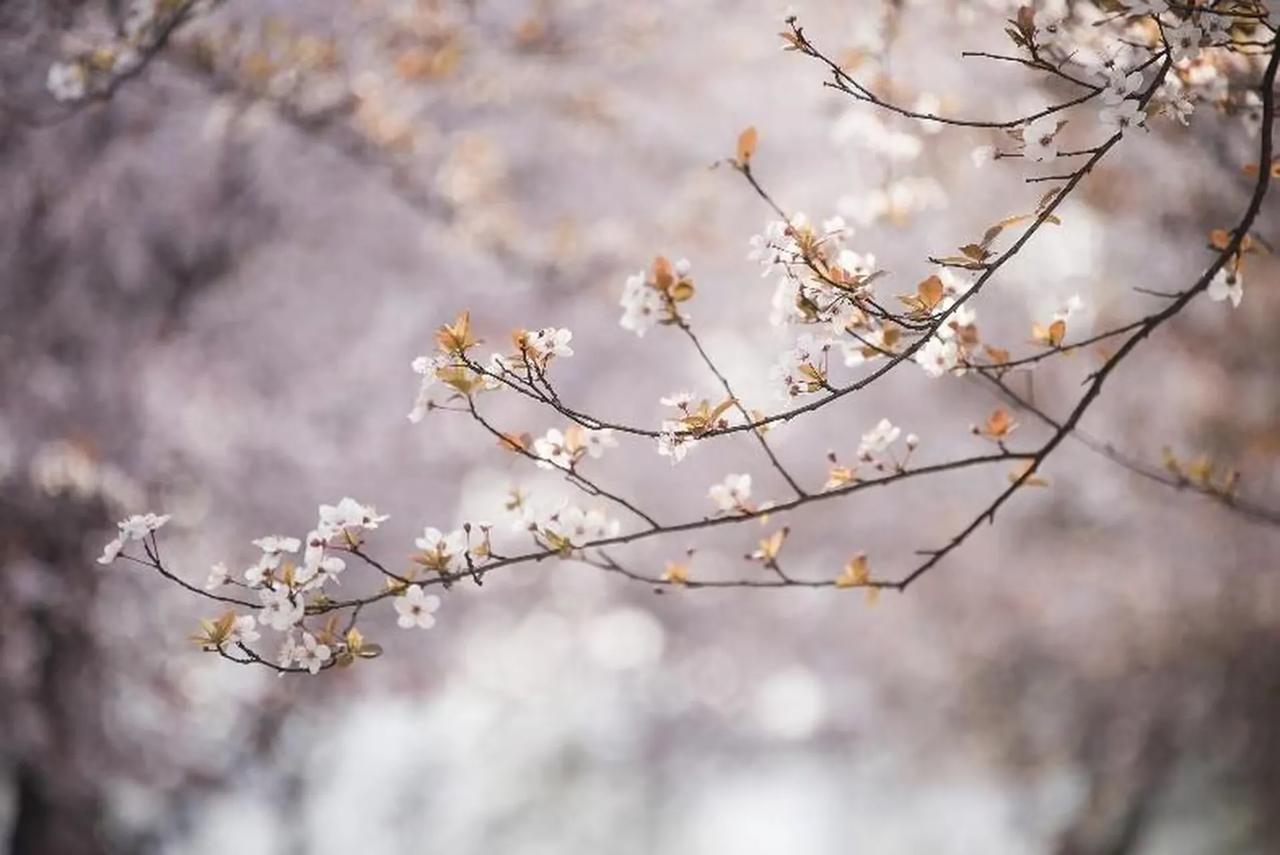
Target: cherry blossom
[
  {"x": 427, "y": 366},
  {"x": 135, "y": 527},
  {"x": 414, "y": 608},
  {"x": 939, "y": 355},
  {"x": 552, "y": 342},
  {"x": 218, "y": 575},
  {"x": 244, "y": 630},
  {"x": 311, "y": 654},
  {"x": 347, "y": 514},
  {"x": 674, "y": 441},
  {"x": 732, "y": 493},
  {"x": 578, "y": 526},
  {"x": 1039, "y": 139},
  {"x": 440, "y": 551},
  {"x": 1121, "y": 86},
  {"x": 1184, "y": 40},
  {"x": 1122, "y": 116},
  {"x": 67, "y": 81},
  {"x": 878, "y": 439},
  {"x": 281, "y": 609},
  {"x": 275, "y": 543},
  {"x": 596, "y": 441},
  {"x": 641, "y": 306},
  {"x": 1227, "y": 284},
  {"x": 554, "y": 451}
]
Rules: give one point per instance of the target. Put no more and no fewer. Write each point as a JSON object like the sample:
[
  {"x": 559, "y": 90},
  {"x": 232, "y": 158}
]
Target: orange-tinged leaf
[
  {"x": 676, "y": 574},
  {"x": 930, "y": 292},
  {"x": 771, "y": 546},
  {"x": 998, "y": 355},
  {"x": 999, "y": 424},
  {"x": 456, "y": 337},
  {"x": 663, "y": 273},
  {"x": 515, "y": 442},
  {"x": 1051, "y": 335},
  {"x": 747, "y": 145},
  {"x": 1019, "y": 473},
  {"x": 681, "y": 291},
  {"x": 857, "y": 572}
]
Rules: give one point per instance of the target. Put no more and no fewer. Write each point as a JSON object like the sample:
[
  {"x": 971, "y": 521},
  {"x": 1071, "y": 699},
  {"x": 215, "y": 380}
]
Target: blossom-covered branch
[{"x": 1148, "y": 60}]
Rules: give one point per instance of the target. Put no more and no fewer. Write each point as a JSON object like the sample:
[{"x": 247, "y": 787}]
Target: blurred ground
[{"x": 219, "y": 280}]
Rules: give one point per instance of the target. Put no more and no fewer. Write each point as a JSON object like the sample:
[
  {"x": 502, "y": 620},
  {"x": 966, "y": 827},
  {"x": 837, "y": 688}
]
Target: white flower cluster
[
  {"x": 565, "y": 527},
  {"x": 803, "y": 367},
  {"x": 429, "y": 367},
  {"x": 282, "y": 585},
  {"x": 649, "y": 297},
  {"x": 942, "y": 352},
  {"x": 784, "y": 244},
  {"x": 558, "y": 449},
  {"x": 95, "y": 70},
  {"x": 680, "y": 434},
  {"x": 134, "y": 528},
  {"x": 881, "y": 438},
  {"x": 1115, "y": 49},
  {"x": 534, "y": 352}
]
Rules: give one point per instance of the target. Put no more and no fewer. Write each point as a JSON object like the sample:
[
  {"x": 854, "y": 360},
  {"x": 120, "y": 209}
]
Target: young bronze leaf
[{"x": 747, "y": 145}]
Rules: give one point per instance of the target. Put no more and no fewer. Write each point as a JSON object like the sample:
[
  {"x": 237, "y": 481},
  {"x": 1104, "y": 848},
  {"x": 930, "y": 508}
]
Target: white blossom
[
  {"x": 1040, "y": 139},
  {"x": 674, "y": 441},
  {"x": 276, "y": 543},
  {"x": 857, "y": 264},
  {"x": 1120, "y": 86},
  {"x": 347, "y": 514},
  {"x": 135, "y": 527},
  {"x": 67, "y": 81},
  {"x": 938, "y": 356},
  {"x": 768, "y": 248},
  {"x": 552, "y": 341},
  {"x": 1073, "y": 306},
  {"x": 732, "y": 493},
  {"x": 1227, "y": 285},
  {"x": 553, "y": 451},
  {"x": 311, "y": 654},
  {"x": 1215, "y": 29},
  {"x": 1122, "y": 116},
  {"x": 414, "y": 608},
  {"x": 677, "y": 399},
  {"x": 218, "y": 575},
  {"x": 427, "y": 366},
  {"x": 641, "y": 305},
  {"x": 581, "y": 527},
  {"x": 1184, "y": 40},
  {"x": 784, "y": 309},
  {"x": 443, "y": 552},
  {"x": 244, "y": 630},
  {"x": 280, "y": 608},
  {"x": 596, "y": 441},
  {"x": 982, "y": 155},
  {"x": 878, "y": 438},
  {"x": 288, "y": 651}
]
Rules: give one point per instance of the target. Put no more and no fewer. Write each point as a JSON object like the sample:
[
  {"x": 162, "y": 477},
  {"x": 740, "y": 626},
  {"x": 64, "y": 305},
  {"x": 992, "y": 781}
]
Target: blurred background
[{"x": 213, "y": 285}]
